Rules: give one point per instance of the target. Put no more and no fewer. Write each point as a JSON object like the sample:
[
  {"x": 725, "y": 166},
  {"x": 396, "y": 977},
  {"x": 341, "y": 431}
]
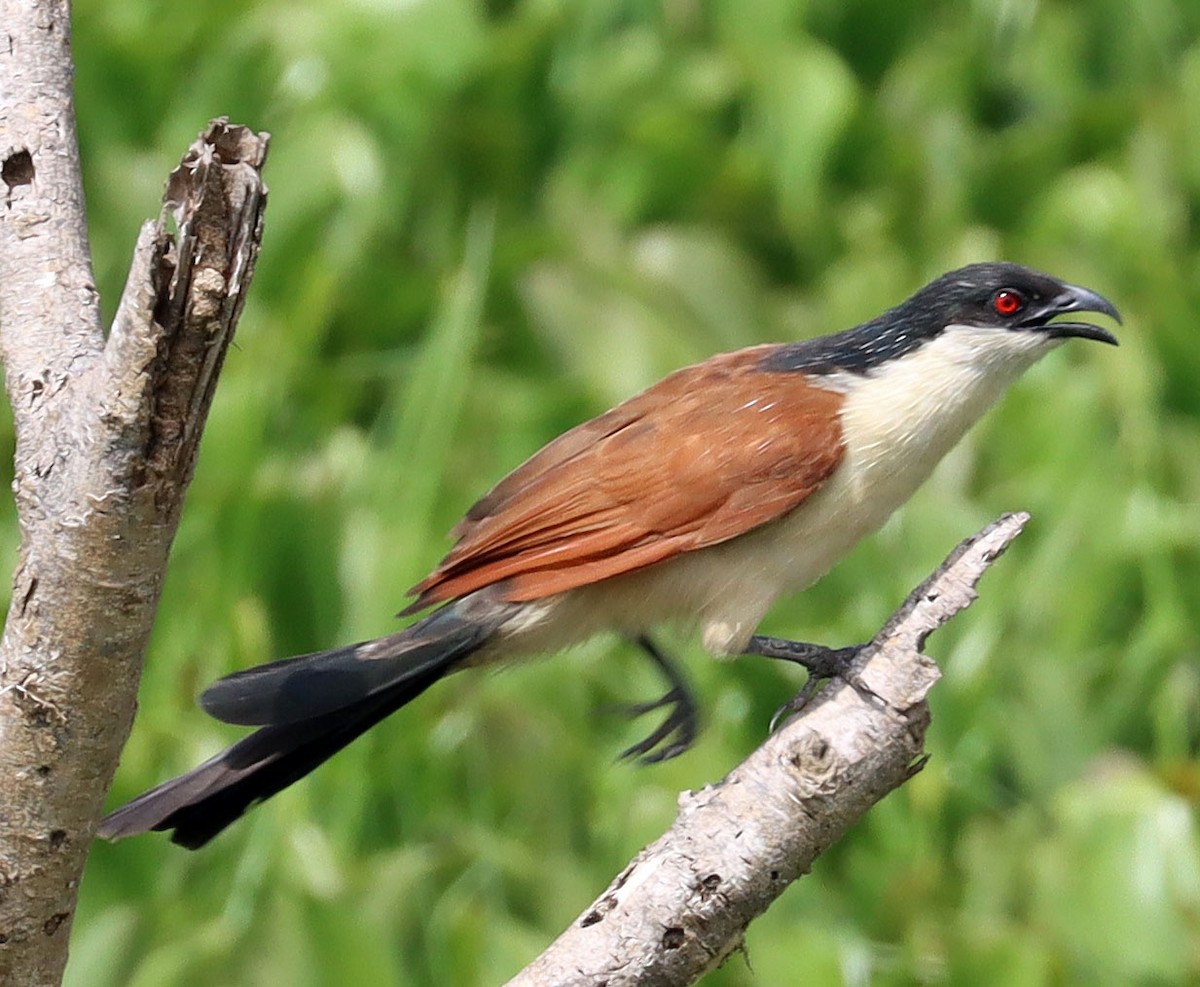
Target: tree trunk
[{"x": 106, "y": 437}]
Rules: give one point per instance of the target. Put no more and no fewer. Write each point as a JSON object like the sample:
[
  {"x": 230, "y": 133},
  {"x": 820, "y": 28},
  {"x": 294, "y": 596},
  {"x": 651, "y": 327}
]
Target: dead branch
[
  {"x": 683, "y": 904},
  {"x": 107, "y": 431}
]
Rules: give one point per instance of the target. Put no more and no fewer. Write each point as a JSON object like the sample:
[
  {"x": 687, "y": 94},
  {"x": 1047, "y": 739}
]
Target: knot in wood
[
  {"x": 673, "y": 938},
  {"x": 814, "y": 765}
]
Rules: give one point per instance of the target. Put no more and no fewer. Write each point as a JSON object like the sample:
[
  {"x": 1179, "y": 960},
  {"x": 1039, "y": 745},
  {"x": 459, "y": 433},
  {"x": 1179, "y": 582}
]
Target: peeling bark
[
  {"x": 683, "y": 904},
  {"x": 107, "y": 431}
]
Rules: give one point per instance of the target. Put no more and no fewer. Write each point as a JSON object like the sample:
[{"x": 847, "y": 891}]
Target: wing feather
[{"x": 703, "y": 456}]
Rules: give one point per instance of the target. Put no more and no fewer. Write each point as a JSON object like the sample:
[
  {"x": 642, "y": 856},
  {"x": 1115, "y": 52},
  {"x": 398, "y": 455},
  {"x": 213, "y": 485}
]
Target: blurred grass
[{"x": 490, "y": 220}]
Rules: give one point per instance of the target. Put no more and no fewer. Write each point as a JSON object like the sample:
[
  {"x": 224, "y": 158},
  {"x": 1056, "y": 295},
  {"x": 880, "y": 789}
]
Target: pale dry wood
[
  {"x": 107, "y": 432},
  {"x": 683, "y": 904}
]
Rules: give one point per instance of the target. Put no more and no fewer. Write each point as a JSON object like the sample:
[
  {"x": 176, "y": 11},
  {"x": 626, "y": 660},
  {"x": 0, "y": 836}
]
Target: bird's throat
[{"x": 906, "y": 415}]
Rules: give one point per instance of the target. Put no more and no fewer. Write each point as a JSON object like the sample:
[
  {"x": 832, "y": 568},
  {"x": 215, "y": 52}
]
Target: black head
[
  {"x": 1006, "y": 296},
  {"x": 993, "y": 296}
]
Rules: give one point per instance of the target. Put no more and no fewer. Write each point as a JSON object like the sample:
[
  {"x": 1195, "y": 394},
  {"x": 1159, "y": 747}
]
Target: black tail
[{"x": 308, "y": 708}]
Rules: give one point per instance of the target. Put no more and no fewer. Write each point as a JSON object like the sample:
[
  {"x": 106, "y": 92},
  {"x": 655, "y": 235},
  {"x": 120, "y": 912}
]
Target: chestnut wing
[{"x": 705, "y": 455}]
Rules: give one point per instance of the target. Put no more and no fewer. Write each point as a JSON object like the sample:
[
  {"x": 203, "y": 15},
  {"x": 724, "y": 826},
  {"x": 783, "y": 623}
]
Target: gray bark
[
  {"x": 106, "y": 437},
  {"x": 683, "y": 903}
]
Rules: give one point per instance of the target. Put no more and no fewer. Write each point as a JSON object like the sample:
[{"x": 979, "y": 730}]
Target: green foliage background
[{"x": 491, "y": 220}]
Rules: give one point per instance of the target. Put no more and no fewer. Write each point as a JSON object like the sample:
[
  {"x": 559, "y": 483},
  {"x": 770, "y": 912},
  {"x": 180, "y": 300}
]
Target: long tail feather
[
  {"x": 294, "y": 690},
  {"x": 303, "y": 730}
]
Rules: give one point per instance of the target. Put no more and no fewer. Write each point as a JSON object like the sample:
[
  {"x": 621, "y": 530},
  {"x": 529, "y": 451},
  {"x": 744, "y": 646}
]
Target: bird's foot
[
  {"x": 673, "y": 736},
  {"x": 678, "y": 731},
  {"x": 821, "y": 662}
]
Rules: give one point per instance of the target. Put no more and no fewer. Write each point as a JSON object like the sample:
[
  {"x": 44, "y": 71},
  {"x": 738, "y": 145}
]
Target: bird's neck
[{"x": 903, "y": 416}]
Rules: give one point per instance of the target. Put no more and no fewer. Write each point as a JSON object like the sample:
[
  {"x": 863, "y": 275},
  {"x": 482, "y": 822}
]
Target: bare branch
[
  {"x": 683, "y": 904},
  {"x": 107, "y": 433}
]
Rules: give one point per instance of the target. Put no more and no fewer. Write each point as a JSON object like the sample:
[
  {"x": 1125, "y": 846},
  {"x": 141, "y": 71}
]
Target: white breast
[{"x": 897, "y": 425}]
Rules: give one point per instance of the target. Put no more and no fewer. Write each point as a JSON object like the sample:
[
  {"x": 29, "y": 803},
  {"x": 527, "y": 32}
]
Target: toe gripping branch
[
  {"x": 821, "y": 662},
  {"x": 946, "y": 591}
]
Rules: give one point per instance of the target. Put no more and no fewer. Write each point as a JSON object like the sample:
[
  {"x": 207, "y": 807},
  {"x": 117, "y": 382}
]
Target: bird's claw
[
  {"x": 678, "y": 731},
  {"x": 679, "y": 728},
  {"x": 796, "y": 703},
  {"x": 821, "y": 663}
]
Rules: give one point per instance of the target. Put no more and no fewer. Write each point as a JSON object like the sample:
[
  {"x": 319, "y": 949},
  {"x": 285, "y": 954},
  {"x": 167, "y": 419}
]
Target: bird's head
[
  {"x": 1007, "y": 297},
  {"x": 983, "y": 314}
]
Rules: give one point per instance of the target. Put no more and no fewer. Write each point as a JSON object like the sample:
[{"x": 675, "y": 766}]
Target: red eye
[{"x": 1007, "y": 302}]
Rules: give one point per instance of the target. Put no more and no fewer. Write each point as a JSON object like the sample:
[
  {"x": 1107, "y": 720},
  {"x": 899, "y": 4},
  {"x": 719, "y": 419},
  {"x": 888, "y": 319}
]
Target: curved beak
[{"x": 1076, "y": 299}]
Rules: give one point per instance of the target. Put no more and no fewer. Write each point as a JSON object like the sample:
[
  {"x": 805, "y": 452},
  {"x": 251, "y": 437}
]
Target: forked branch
[{"x": 107, "y": 432}]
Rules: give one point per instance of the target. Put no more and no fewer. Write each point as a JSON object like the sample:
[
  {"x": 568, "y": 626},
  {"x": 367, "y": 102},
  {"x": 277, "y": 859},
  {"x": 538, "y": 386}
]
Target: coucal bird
[{"x": 702, "y": 499}]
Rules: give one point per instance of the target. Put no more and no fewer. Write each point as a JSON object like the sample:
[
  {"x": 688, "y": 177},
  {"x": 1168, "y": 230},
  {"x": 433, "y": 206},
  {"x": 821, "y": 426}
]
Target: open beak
[{"x": 1076, "y": 299}]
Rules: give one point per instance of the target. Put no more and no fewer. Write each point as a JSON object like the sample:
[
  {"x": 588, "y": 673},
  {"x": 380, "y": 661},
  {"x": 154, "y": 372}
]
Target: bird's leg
[
  {"x": 678, "y": 731},
  {"x": 821, "y": 662}
]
